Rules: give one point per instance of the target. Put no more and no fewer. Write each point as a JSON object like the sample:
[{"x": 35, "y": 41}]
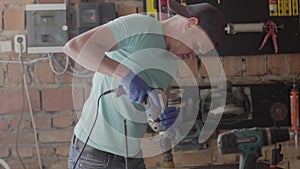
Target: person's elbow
[{"x": 68, "y": 49}]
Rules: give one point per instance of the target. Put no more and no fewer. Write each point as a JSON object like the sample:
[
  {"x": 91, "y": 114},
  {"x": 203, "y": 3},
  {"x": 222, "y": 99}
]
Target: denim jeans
[{"x": 96, "y": 159}]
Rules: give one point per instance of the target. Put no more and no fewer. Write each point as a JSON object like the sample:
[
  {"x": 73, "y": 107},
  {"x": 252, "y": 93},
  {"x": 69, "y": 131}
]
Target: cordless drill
[{"x": 248, "y": 142}]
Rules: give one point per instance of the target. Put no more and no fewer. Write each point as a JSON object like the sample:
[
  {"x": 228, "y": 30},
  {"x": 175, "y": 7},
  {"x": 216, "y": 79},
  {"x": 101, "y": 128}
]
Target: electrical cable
[
  {"x": 25, "y": 90},
  {"x": 25, "y": 62},
  {"x": 4, "y": 164},
  {"x": 22, "y": 113},
  {"x": 52, "y": 68},
  {"x": 73, "y": 72},
  {"x": 93, "y": 125},
  {"x": 33, "y": 123}
]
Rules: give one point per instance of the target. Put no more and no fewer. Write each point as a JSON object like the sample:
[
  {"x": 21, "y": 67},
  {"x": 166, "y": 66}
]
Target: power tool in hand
[
  {"x": 248, "y": 142},
  {"x": 153, "y": 112}
]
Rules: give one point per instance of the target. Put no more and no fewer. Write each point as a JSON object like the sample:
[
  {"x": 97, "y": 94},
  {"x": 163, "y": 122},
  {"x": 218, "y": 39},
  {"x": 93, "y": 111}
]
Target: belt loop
[{"x": 74, "y": 139}]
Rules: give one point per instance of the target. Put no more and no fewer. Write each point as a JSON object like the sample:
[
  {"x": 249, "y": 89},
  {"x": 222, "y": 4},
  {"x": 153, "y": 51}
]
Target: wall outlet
[{"x": 20, "y": 43}]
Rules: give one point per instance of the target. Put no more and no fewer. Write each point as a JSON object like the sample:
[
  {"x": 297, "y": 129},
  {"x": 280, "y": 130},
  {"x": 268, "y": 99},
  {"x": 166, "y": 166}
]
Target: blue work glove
[
  {"x": 168, "y": 117},
  {"x": 136, "y": 89}
]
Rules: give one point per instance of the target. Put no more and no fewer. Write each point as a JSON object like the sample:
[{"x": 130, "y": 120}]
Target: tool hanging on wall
[
  {"x": 294, "y": 103},
  {"x": 233, "y": 28},
  {"x": 269, "y": 27},
  {"x": 271, "y": 30}
]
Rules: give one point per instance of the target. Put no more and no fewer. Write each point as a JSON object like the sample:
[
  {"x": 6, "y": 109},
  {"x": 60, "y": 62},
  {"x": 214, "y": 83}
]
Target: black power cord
[
  {"x": 23, "y": 105},
  {"x": 97, "y": 111}
]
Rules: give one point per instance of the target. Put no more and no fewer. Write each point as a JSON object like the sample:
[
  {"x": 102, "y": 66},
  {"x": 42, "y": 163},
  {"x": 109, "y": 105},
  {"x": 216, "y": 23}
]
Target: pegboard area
[{"x": 285, "y": 14}]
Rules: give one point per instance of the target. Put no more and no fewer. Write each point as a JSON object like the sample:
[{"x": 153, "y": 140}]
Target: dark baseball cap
[{"x": 210, "y": 18}]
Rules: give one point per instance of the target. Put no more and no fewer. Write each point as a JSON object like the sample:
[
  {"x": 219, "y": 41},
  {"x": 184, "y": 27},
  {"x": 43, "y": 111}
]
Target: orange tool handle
[{"x": 294, "y": 101}]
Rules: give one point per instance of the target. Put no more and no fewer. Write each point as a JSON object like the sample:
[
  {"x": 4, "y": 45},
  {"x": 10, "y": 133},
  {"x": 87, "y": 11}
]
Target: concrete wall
[{"x": 55, "y": 109}]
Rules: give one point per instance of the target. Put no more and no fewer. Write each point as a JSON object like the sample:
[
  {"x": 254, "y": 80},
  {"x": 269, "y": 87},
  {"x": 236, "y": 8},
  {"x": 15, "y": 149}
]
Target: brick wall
[{"x": 56, "y": 99}]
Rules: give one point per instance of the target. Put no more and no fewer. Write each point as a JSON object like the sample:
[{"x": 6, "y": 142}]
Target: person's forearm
[
  {"x": 88, "y": 50},
  {"x": 112, "y": 68},
  {"x": 94, "y": 59}
]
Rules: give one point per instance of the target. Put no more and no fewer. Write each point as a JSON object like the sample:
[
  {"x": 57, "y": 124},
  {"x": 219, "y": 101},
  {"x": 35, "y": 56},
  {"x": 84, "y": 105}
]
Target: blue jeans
[{"x": 95, "y": 159}]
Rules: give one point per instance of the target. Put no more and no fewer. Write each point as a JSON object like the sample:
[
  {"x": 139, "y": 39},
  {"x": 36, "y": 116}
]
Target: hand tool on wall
[
  {"x": 269, "y": 27},
  {"x": 248, "y": 142},
  {"x": 271, "y": 30},
  {"x": 233, "y": 28},
  {"x": 294, "y": 103}
]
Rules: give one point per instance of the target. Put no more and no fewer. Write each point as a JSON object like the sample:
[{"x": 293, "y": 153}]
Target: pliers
[{"x": 271, "y": 30}]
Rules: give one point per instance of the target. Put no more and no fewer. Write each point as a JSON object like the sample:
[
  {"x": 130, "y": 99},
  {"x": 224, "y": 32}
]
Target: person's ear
[{"x": 192, "y": 21}]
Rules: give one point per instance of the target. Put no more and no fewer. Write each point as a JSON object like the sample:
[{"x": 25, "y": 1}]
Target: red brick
[
  {"x": 56, "y": 136},
  {"x": 12, "y": 2},
  {"x": 15, "y": 74},
  {"x": 29, "y": 163},
  {"x": 66, "y": 78},
  {"x": 63, "y": 150},
  {"x": 28, "y": 1},
  {"x": 4, "y": 152},
  {"x": 290, "y": 152},
  {"x": 59, "y": 164},
  {"x": 23, "y": 151},
  {"x": 187, "y": 158},
  {"x": 256, "y": 65},
  {"x": 3, "y": 125},
  {"x": 188, "y": 68},
  {"x": 43, "y": 73},
  {"x": 4, "y": 2},
  {"x": 50, "y": 1},
  {"x": 64, "y": 120},
  {"x": 6, "y": 139},
  {"x": 2, "y": 74},
  {"x": 294, "y": 63},
  {"x": 154, "y": 162},
  {"x": 58, "y": 1},
  {"x": 295, "y": 163},
  {"x": 57, "y": 99},
  {"x": 211, "y": 65},
  {"x": 14, "y": 19},
  {"x": 25, "y": 124},
  {"x": 12, "y": 101},
  {"x": 125, "y": 9},
  {"x": 234, "y": 66},
  {"x": 46, "y": 151},
  {"x": 10, "y": 139},
  {"x": 43, "y": 122},
  {"x": 74, "y": 1},
  {"x": 277, "y": 64}
]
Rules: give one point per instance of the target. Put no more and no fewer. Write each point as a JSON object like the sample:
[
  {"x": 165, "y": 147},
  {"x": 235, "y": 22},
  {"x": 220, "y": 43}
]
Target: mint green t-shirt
[{"x": 141, "y": 47}]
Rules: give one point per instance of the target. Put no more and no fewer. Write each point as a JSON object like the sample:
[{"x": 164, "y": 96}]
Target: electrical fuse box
[{"x": 46, "y": 27}]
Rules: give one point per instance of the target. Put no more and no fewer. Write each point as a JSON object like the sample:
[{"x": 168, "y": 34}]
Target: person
[{"x": 139, "y": 53}]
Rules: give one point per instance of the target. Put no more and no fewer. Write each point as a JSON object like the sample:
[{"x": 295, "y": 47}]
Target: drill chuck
[{"x": 276, "y": 135}]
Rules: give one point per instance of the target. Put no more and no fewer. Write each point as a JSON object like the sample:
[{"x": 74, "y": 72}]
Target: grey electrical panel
[{"x": 47, "y": 28}]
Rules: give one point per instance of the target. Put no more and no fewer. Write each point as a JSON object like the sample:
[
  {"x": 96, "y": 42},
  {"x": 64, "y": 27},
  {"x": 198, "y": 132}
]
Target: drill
[
  {"x": 152, "y": 113},
  {"x": 248, "y": 142}
]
